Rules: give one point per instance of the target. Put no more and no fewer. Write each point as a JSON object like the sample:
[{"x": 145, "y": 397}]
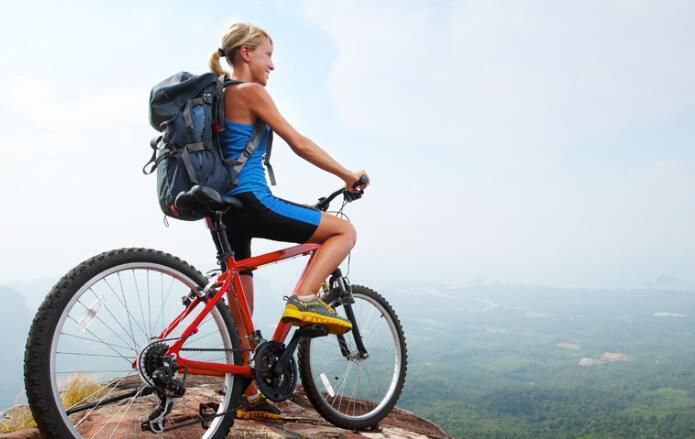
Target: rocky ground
[{"x": 300, "y": 421}]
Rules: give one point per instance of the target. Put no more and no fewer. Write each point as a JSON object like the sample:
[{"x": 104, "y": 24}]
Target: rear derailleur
[{"x": 160, "y": 371}]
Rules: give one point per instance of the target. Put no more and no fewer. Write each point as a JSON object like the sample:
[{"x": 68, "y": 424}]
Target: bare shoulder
[
  {"x": 244, "y": 102},
  {"x": 251, "y": 92}
]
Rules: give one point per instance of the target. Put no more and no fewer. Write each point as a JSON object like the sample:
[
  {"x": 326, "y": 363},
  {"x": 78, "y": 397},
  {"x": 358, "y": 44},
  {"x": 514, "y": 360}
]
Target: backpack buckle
[{"x": 216, "y": 127}]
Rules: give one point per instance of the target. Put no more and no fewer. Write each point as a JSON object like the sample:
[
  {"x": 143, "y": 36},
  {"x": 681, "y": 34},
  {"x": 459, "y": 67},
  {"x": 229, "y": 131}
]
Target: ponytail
[{"x": 214, "y": 64}]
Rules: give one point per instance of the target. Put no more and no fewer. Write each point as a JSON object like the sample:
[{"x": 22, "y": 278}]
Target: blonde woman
[{"x": 248, "y": 50}]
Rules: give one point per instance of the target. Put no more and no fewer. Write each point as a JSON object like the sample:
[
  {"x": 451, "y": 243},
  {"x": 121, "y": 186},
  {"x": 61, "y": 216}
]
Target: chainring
[{"x": 275, "y": 387}]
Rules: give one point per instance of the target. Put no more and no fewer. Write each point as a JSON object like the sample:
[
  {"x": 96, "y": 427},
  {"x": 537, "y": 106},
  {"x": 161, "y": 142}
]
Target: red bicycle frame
[{"x": 231, "y": 284}]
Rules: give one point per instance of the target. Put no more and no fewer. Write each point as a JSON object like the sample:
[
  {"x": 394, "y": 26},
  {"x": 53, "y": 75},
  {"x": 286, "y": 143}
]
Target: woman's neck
[{"x": 242, "y": 73}]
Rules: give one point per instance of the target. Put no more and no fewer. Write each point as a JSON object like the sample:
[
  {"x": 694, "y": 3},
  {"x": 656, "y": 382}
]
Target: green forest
[{"x": 503, "y": 362}]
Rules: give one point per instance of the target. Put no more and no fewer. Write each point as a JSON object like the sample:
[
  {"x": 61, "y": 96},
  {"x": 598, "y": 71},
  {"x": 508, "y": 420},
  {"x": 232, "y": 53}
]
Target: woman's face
[{"x": 261, "y": 62}]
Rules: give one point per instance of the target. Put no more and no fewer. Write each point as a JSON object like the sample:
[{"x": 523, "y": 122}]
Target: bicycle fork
[{"x": 341, "y": 292}]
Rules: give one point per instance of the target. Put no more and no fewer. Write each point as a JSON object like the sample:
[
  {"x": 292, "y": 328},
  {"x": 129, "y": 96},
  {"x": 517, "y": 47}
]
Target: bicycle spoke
[
  {"x": 95, "y": 406},
  {"x": 106, "y": 307},
  {"x": 342, "y": 385},
  {"x": 164, "y": 302},
  {"x": 369, "y": 378},
  {"x": 99, "y": 341},
  {"x": 161, "y": 300},
  {"x": 95, "y": 371},
  {"x": 115, "y": 380},
  {"x": 106, "y": 422},
  {"x": 104, "y": 323},
  {"x": 126, "y": 411},
  {"x": 103, "y": 342},
  {"x": 87, "y": 355},
  {"x": 125, "y": 304},
  {"x": 142, "y": 314},
  {"x": 149, "y": 302}
]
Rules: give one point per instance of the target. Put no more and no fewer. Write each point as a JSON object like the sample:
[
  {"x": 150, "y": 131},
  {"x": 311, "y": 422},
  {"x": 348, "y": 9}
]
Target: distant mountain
[
  {"x": 15, "y": 319},
  {"x": 33, "y": 290}
]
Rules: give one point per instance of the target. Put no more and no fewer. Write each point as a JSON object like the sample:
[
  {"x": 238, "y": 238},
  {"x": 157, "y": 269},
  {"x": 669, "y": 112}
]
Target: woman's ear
[{"x": 244, "y": 52}]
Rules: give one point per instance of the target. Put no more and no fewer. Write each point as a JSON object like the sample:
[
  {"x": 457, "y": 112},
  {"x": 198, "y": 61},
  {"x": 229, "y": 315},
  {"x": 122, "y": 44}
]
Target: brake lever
[
  {"x": 359, "y": 185},
  {"x": 352, "y": 196}
]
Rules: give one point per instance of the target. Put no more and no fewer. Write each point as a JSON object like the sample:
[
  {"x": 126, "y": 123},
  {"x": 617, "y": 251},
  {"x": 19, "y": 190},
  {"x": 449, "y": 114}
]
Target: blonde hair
[{"x": 238, "y": 34}]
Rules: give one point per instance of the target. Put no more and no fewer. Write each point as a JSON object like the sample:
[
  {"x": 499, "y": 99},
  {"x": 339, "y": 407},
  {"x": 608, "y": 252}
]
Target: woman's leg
[
  {"x": 337, "y": 237},
  {"x": 247, "y": 284}
]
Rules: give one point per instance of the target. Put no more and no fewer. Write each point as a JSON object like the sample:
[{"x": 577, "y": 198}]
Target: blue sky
[{"x": 521, "y": 142}]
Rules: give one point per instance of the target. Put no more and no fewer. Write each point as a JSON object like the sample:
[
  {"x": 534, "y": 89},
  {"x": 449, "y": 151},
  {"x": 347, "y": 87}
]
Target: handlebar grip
[{"x": 361, "y": 182}]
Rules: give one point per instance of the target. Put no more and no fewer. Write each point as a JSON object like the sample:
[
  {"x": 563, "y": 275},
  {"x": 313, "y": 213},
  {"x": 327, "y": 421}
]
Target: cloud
[
  {"x": 529, "y": 139},
  {"x": 526, "y": 76}
]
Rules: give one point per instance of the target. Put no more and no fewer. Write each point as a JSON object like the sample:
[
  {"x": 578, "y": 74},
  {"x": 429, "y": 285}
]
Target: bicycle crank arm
[
  {"x": 147, "y": 391},
  {"x": 310, "y": 331}
]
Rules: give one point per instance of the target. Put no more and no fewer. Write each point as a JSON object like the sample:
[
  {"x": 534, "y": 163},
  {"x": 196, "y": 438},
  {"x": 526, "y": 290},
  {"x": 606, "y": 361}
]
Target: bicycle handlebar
[{"x": 324, "y": 202}]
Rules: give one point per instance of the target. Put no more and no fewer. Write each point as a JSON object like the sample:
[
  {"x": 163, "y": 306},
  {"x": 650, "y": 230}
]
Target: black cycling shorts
[{"x": 268, "y": 217}]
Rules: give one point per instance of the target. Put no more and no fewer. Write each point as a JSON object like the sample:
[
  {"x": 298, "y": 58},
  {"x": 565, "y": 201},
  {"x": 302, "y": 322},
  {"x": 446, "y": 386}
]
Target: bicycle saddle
[{"x": 202, "y": 199}]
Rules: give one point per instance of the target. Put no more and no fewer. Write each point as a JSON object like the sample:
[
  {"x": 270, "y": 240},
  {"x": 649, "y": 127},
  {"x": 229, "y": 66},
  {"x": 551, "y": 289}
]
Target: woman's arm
[{"x": 258, "y": 100}]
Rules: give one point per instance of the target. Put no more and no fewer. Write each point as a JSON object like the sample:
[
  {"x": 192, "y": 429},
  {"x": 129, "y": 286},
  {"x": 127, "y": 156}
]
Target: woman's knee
[
  {"x": 347, "y": 232},
  {"x": 332, "y": 226},
  {"x": 351, "y": 234}
]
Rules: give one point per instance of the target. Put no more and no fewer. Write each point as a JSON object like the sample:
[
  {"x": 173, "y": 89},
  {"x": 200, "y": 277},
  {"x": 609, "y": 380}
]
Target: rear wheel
[
  {"x": 87, "y": 358},
  {"x": 349, "y": 391}
]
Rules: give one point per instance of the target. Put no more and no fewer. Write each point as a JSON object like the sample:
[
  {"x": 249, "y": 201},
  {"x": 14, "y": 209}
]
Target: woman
[{"x": 248, "y": 50}]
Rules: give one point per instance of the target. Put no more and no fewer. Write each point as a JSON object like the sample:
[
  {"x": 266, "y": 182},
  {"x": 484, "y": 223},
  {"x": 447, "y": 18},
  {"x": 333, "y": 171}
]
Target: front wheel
[
  {"x": 93, "y": 349},
  {"x": 347, "y": 389}
]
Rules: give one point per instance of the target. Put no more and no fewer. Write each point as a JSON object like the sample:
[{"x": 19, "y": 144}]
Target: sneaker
[
  {"x": 315, "y": 311},
  {"x": 259, "y": 408}
]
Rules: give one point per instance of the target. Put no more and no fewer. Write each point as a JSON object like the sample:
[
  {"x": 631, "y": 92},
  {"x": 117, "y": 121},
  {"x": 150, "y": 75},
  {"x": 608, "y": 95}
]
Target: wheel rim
[
  {"x": 360, "y": 388},
  {"x": 98, "y": 330}
]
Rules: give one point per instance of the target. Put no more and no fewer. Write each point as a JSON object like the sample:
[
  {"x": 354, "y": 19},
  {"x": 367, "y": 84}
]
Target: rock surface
[{"x": 300, "y": 421}]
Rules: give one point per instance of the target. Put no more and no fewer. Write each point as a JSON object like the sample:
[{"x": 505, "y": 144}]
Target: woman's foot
[
  {"x": 257, "y": 407},
  {"x": 302, "y": 312}
]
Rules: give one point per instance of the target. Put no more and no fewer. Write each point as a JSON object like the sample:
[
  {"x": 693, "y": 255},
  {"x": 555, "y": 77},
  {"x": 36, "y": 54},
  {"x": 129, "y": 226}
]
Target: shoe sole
[{"x": 299, "y": 318}]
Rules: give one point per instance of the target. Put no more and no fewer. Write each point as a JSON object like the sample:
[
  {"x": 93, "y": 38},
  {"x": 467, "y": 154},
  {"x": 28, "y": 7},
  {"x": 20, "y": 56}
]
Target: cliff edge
[{"x": 300, "y": 421}]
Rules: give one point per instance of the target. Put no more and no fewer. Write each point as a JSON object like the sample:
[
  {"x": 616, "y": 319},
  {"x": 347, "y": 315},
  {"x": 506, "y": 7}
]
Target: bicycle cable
[{"x": 341, "y": 214}]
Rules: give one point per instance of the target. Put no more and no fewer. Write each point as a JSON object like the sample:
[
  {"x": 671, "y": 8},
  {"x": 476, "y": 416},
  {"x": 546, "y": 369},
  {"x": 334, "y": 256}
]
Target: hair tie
[{"x": 221, "y": 53}]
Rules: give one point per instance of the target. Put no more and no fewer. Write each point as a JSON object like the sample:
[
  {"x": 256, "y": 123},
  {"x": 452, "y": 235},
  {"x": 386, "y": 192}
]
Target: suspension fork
[{"x": 340, "y": 289}]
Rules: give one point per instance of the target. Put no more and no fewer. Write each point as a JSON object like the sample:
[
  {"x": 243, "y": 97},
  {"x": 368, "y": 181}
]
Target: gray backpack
[{"x": 189, "y": 112}]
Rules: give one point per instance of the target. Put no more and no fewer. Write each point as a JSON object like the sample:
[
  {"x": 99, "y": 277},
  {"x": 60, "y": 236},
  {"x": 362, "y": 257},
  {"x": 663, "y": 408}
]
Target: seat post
[{"x": 219, "y": 236}]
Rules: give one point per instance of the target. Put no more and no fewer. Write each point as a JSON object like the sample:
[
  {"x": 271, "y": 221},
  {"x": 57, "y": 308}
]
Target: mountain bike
[{"x": 136, "y": 342}]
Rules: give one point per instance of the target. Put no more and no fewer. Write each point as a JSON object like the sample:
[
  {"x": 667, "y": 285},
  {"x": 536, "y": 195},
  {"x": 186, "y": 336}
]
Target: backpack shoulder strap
[
  {"x": 253, "y": 143},
  {"x": 251, "y": 146},
  {"x": 227, "y": 81},
  {"x": 266, "y": 159}
]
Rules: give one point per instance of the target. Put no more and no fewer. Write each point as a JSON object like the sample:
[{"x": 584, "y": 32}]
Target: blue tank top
[
  {"x": 234, "y": 137},
  {"x": 252, "y": 176}
]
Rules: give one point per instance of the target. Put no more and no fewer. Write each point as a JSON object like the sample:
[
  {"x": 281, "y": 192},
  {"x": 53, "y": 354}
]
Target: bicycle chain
[{"x": 214, "y": 350}]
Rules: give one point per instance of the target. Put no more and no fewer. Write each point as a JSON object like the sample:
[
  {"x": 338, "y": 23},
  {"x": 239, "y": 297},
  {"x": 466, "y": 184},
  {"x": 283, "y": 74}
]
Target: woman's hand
[{"x": 352, "y": 181}]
